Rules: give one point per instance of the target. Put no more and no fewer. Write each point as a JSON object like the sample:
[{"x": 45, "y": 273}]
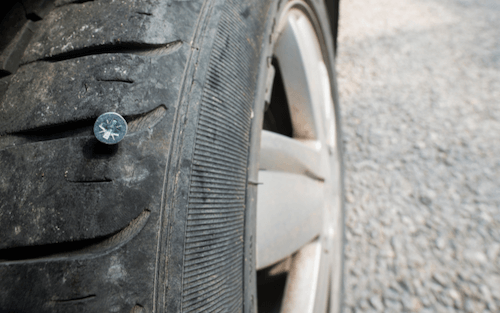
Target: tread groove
[
  {"x": 122, "y": 48},
  {"x": 62, "y": 3},
  {"x": 80, "y": 249},
  {"x": 136, "y": 123},
  {"x": 78, "y": 299},
  {"x": 127, "y": 81}
]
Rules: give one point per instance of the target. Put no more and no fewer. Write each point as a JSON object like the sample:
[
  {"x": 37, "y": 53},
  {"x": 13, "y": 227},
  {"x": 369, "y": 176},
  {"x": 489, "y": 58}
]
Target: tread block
[
  {"x": 57, "y": 191},
  {"x": 102, "y": 22},
  {"x": 78, "y": 26},
  {"x": 108, "y": 283},
  {"x": 43, "y": 94}
]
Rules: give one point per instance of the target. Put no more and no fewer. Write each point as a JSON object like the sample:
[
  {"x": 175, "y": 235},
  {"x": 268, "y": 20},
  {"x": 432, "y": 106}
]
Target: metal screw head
[{"x": 110, "y": 128}]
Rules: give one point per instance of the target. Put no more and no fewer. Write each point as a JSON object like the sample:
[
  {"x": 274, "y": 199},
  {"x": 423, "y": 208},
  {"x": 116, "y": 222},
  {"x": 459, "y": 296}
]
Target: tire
[{"x": 163, "y": 221}]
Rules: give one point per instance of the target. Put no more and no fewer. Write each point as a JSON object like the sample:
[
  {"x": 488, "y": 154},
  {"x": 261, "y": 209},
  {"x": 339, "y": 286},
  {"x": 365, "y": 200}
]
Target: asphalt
[{"x": 419, "y": 85}]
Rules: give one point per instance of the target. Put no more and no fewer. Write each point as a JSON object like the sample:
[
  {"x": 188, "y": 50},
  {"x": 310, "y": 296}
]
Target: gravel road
[{"x": 419, "y": 84}]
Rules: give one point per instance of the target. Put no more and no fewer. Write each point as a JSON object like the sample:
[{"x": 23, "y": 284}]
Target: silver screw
[{"x": 110, "y": 128}]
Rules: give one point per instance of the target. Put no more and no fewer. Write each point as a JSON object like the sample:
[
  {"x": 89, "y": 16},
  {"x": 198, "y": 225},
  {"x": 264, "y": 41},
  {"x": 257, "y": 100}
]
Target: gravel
[{"x": 419, "y": 84}]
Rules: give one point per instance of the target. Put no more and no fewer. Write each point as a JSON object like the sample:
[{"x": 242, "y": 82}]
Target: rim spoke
[
  {"x": 281, "y": 153},
  {"x": 289, "y": 214},
  {"x": 300, "y": 52},
  {"x": 305, "y": 276}
]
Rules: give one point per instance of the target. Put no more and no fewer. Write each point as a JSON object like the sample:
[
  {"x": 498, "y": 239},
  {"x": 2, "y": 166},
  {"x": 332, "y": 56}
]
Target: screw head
[{"x": 110, "y": 128}]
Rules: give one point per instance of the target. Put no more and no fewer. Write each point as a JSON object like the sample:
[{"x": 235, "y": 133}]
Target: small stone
[
  {"x": 444, "y": 299},
  {"x": 376, "y": 302},
  {"x": 441, "y": 279},
  {"x": 350, "y": 198},
  {"x": 465, "y": 275},
  {"x": 488, "y": 297},
  {"x": 492, "y": 252},
  {"x": 492, "y": 306},
  {"x": 427, "y": 301},
  {"x": 475, "y": 257},
  {"x": 387, "y": 253},
  {"x": 455, "y": 295},
  {"x": 396, "y": 243},
  {"x": 425, "y": 200},
  {"x": 472, "y": 306},
  {"x": 411, "y": 303},
  {"x": 366, "y": 164},
  {"x": 393, "y": 305},
  {"x": 434, "y": 287},
  {"x": 391, "y": 294},
  {"x": 441, "y": 243},
  {"x": 406, "y": 285},
  {"x": 420, "y": 145},
  {"x": 363, "y": 304}
]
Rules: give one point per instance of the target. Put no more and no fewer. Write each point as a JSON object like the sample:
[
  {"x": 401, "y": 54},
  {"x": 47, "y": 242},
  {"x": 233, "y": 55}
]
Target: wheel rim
[{"x": 299, "y": 209}]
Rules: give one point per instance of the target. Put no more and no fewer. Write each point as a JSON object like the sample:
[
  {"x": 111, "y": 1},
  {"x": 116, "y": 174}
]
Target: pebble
[
  {"x": 393, "y": 305},
  {"x": 441, "y": 279},
  {"x": 474, "y": 306},
  {"x": 455, "y": 295},
  {"x": 376, "y": 302}
]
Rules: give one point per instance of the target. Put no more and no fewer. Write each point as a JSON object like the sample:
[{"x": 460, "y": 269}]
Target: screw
[{"x": 110, "y": 128}]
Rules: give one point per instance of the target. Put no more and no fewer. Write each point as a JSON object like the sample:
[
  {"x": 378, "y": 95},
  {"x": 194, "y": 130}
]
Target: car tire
[{"x": 165, "y": 220}]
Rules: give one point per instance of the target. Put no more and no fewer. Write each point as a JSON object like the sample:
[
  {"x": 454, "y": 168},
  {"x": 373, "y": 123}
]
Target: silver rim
[{"x": 299, "y": 215}]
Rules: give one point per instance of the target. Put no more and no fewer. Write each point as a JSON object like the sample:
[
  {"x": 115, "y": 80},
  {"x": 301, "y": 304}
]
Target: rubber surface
[
  {"x": 161, "y": 221},
  {"x": 213, "y": 253},
  {"x": 80, "y": 222}
]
